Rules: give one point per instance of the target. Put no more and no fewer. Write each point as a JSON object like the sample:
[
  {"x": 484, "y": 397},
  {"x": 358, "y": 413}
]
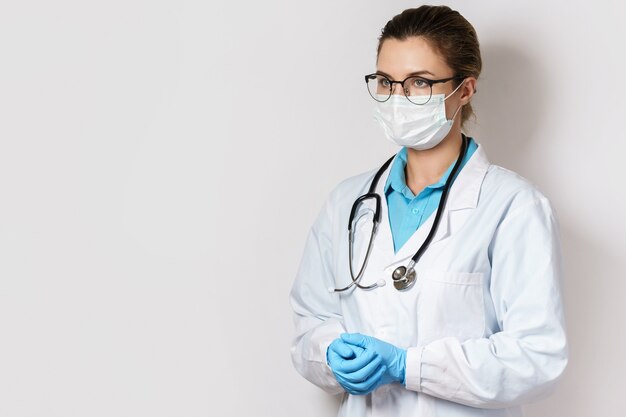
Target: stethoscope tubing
[
  {"x": 403, "y": 273},
  {"x": 442, "y": 202}
]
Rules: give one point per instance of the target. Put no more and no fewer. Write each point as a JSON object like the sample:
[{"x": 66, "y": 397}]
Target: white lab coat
[{"x": 483, "y": 325}]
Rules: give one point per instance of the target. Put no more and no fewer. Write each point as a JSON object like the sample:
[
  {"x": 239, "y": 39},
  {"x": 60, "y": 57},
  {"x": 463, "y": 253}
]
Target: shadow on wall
[{"x": 509, "y": 105}]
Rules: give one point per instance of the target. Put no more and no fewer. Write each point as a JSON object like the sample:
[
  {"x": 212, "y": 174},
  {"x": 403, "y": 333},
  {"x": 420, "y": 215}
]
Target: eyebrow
[{"x": 423, "y": 72}]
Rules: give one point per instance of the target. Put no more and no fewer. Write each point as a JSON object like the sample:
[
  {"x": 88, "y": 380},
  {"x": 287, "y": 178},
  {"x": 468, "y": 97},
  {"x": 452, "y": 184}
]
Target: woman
[{"x": 455, "y": 307}]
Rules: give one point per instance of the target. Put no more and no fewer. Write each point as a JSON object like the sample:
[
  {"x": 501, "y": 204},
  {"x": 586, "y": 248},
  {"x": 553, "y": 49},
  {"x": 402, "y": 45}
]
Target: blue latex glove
[
  {"x": 393, "y": 358},
  {"x": 358, "y": 371}
]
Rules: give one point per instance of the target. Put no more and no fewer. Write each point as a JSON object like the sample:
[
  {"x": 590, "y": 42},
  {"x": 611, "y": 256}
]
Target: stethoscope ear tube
[
  {"x": 376, "y": 221},
  {"x": 356, "y": 204}
]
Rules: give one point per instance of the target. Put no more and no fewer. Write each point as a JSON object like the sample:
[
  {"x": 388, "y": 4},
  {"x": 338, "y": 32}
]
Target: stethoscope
[{"x": 403, "y": 276}]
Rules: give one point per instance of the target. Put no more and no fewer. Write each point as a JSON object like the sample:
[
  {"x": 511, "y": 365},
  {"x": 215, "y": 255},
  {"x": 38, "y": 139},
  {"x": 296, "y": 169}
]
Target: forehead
[{"x": 398, "y": 58}]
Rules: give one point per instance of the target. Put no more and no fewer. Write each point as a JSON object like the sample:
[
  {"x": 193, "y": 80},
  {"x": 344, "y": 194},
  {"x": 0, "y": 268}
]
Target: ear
[{"x": 468, "y": 89}]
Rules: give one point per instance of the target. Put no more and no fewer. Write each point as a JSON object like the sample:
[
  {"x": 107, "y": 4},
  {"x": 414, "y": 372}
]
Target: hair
[{"x": 449, "y": 33}]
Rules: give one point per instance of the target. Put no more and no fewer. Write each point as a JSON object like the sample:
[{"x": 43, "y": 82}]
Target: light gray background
[{"x": 161, "y": 163}]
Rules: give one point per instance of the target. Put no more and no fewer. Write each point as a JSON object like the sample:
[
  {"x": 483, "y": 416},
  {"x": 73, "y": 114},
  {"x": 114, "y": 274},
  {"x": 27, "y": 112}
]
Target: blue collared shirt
[{"x": 407, "y": 212}]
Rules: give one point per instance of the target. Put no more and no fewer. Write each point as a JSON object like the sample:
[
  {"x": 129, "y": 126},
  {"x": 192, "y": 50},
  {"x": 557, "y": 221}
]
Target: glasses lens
[
  {"x": 379, "y": 87},
  {"x": 417, "y": 90}
]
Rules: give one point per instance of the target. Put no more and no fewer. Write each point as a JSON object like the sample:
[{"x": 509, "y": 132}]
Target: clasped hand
[{"x": 363, "y": 363}]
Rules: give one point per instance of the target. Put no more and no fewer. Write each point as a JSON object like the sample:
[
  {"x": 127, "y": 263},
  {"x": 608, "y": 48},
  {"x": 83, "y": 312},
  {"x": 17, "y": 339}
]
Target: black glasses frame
[{"x": 392, "y": 82}]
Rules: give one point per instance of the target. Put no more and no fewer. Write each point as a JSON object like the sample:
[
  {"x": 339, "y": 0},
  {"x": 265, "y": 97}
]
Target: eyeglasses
[{"x": 418, "y": 90}]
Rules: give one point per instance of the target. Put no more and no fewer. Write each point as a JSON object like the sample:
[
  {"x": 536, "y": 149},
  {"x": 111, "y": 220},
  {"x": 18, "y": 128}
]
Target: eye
[
  {"x": 384, "y": 82},
  {"x": 419, "y": 83}
]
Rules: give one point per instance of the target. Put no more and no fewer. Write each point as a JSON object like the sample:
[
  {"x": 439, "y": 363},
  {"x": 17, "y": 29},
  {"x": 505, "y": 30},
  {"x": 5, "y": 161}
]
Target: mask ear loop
[
  {"x": 455, "y": 90},
  {"x": 457, "y": 110}
]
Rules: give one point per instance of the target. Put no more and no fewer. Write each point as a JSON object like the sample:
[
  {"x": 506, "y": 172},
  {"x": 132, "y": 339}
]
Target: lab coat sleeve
[
  {"x": 522, "y": 362},
  {"x": 317, "y": 314}
]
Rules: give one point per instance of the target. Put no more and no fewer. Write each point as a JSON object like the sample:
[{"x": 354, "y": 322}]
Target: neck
[{"x": 426, "y": 167}]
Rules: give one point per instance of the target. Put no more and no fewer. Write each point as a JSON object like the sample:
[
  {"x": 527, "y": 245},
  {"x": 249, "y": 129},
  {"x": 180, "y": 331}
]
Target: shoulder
[
  {"x": 512, "y": 193},
  {"x": 340, "y": 199},
  {"x": 348, "y": 189},
  {"x": 507, "y": 183}
]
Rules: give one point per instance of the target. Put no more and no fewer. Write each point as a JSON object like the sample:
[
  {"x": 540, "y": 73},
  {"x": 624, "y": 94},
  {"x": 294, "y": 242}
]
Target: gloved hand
[
  {"x": 393, "y": 358},
  {"x": 358, "y": 371}
]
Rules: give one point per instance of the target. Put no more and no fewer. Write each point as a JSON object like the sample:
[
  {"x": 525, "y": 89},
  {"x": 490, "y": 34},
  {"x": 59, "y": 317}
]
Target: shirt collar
[{"x": 396, "y": 181}]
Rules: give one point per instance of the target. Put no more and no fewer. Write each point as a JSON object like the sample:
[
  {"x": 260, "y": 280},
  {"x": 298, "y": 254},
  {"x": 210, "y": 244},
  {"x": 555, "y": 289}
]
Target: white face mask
[{"x": 415, "y": 126}]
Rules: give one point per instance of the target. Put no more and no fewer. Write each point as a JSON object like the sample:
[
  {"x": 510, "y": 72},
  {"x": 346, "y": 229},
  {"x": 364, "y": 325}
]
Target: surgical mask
[{"x": 415, "y": 126}]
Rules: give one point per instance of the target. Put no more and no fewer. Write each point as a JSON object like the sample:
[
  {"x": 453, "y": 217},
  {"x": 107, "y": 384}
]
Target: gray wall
[{"x": 162, "y": 161}]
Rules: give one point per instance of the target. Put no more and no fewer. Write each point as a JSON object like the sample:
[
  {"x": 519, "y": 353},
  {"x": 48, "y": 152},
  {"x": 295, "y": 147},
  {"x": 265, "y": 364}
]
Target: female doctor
[{"x": 431, "y": 286}]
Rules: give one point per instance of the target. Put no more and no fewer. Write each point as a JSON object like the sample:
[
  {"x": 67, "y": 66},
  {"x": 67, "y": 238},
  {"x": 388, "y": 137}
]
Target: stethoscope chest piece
[{"x": 403, "y": 279}]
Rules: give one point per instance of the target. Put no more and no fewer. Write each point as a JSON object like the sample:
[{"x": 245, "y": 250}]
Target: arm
[
  {"x": 317, "y": 312},
  {"x": 523, "y": 361}
]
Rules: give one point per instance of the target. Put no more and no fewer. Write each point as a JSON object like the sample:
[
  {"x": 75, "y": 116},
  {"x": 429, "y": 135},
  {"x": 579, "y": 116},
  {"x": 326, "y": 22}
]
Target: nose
[{"x": 399, "y": 90}]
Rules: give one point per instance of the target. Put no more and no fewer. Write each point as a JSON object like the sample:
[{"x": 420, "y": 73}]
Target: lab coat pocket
[{"x": 450, "y": 304}]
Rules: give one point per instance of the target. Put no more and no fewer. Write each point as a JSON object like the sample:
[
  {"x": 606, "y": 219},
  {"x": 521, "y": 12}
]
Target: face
[{"x": 399, "y": 59}]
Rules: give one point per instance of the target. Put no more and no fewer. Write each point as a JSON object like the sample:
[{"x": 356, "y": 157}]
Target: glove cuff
[{"x": 401, "y": 366}]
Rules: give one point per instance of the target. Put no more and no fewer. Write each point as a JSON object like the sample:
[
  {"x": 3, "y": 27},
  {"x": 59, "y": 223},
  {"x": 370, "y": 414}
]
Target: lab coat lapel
[
  {"x": 462, "y": 199},
  {"x": 463, "y": 196}
]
